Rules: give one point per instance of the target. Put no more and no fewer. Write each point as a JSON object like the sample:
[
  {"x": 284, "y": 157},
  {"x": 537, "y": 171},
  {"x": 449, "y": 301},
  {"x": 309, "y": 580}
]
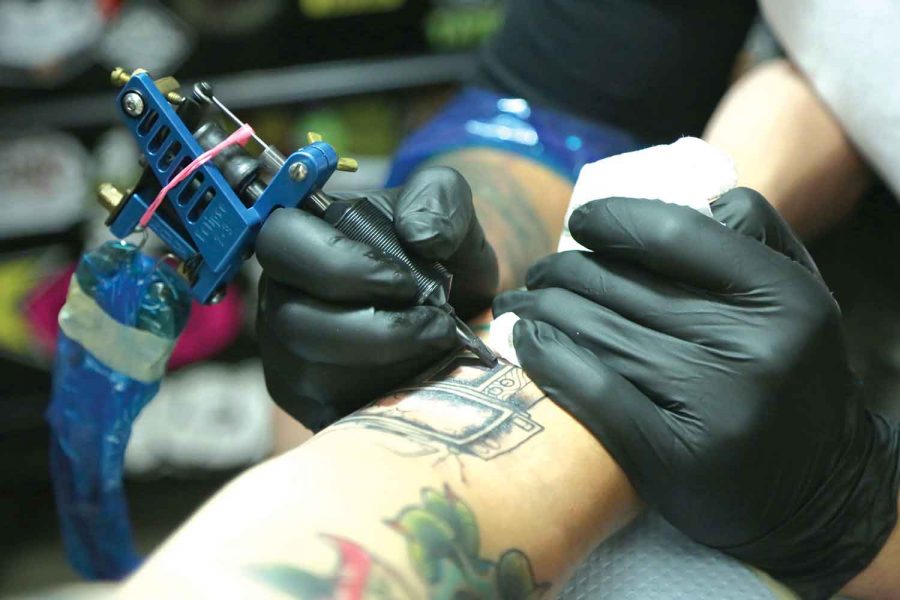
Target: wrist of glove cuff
[{"x": 835, "y": 536}]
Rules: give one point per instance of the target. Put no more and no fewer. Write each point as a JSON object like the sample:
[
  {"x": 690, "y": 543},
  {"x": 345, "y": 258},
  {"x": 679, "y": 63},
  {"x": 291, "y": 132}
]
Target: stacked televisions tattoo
[{"x": 461, "y": 408}]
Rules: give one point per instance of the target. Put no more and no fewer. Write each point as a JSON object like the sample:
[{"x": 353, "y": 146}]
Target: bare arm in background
[
  {"x": 784, "y": 141},
  {"x": 788, "y": 146},
  {"x": 881, "y": 579}
]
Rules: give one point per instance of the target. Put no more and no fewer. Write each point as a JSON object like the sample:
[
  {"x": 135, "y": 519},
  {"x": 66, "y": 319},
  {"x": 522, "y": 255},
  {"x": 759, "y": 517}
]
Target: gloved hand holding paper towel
[
  {"x": 708, "y": 359},
  {"x": 689, "y": 172}
]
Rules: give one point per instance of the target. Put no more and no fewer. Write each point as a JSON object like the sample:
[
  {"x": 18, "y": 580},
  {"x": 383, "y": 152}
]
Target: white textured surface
[
  {"x": 689, "y": 172},
  {"x": 651, "y": 560},
  {"x": 212, "y": 416}
]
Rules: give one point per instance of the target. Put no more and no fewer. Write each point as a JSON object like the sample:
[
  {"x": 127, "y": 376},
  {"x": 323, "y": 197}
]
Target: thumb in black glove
[
  {"x": 337, "y": 323},
  {"x": 713, "y": 369}
]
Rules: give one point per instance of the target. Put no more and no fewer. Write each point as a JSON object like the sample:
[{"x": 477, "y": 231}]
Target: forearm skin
[
  {"x": 538, "y": 485},
  {"x": 881, "y": 579}
]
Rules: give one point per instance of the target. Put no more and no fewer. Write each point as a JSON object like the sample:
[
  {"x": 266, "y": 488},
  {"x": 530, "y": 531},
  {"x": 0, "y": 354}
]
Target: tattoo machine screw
[{"x": 220, "y": 195}]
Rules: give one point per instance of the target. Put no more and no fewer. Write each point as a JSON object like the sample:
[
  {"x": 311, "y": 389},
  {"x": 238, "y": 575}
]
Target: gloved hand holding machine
[
  {"x": 125, "y": 310},
  {"x": 218, "y": 210}
]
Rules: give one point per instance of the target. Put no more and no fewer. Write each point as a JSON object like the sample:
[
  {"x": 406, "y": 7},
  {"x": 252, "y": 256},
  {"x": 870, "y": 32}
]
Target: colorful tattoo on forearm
[{"x": 443, "y": 542}]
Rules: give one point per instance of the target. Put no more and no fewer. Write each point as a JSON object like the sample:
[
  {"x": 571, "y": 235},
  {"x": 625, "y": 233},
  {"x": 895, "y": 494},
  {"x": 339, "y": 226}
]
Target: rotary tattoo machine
[{"x": 209, "y": 212}]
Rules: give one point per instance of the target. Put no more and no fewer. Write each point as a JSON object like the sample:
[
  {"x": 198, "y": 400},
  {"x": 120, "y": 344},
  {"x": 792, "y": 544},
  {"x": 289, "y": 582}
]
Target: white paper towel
[{"x": 689, "y": 172}]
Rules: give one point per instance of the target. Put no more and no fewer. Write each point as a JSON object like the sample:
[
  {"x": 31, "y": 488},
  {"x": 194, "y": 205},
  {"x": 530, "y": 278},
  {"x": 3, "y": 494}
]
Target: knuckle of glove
[
  {"x": 435, "y": 212},
  {"x": 751, "y": 204},
  {"x": 305, "y": 401},
  {"x": 747, "y": 211},
  {"x": 448, "y": 180},
  {"x": 634, "y": 223},
  {"x": 582, "y": 218},
  {"x": 385, "y": 200},
  {"x": 543, "y": 305},
  {"x": 553, "y": 269},
  {"x": 818, "y": 315},
  {"x": 810, "y": 320},
  {"x": 675, "y": 230},
  {"x": 419, "y": 331},
  {"x": 287, "y": 317},
  {"x": 275, "y": 230}
]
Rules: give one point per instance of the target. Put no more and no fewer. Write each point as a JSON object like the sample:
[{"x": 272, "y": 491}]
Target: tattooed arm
[
  {"x": 469, "y": 484},
  {"x": 520, "y": 204}
]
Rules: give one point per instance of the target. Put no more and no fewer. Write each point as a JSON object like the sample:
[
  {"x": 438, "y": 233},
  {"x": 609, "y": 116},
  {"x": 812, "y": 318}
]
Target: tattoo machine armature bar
[{"x": 210, "y": 219}]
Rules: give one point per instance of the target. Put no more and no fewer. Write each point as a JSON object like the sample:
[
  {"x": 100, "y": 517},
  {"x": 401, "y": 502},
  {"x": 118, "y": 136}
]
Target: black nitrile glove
[
  {"x": 337, "y": 323},
  {"x": 713, "y": 369}
]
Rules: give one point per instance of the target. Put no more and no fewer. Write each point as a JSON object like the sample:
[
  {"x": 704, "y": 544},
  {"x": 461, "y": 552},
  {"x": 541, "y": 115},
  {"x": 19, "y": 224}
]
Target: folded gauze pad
[{"x": 689, "y": 172}]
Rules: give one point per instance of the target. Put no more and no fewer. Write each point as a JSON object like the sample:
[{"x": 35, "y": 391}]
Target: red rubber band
[{"x": 240, "y": 137}]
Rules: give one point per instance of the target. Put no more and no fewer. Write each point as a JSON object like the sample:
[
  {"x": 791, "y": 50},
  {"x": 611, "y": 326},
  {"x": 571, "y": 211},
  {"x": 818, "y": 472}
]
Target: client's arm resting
[{"x": 471, "y": 481}]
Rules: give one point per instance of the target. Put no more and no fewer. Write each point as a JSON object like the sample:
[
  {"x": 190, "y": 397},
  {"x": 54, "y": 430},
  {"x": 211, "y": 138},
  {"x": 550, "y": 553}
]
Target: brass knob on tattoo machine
[
  {"x": 169, "y": 86},
  {"x": 348, "y": 164},
  {"x": 109, "y": 197}
]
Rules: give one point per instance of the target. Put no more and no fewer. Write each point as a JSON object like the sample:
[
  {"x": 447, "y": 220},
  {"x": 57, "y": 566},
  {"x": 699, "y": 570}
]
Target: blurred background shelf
[{"x": 255, "y": 89}]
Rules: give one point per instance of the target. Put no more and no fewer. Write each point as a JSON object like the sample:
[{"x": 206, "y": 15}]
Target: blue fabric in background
[{"x": 482, "y": 118}]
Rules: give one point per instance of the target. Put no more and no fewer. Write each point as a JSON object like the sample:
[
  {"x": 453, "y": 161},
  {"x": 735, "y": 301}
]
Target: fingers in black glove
[
  {"x": 625, "y": 418},
  {"x": 435, "y": 218},
  {"x": 748, "y": 212},
  {"x": 647, "y": 233},
  {"x": 337, "y": 323},
  {"x": 741, "y": 421},
  {"x": 339, "y": 328},
  {"x": 632, "y": 292},
  {"x": 621, "y": 343},
  {"x": 322, "y": 360},
  {"x": 304, "y": 252}
]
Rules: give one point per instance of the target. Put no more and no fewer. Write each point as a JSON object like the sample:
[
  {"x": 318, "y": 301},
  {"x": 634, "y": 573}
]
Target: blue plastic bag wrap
[{"x": 123, "y": 313}]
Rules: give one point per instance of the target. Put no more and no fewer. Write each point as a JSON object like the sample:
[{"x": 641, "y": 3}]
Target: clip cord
[{"x": 240, "y": 137}]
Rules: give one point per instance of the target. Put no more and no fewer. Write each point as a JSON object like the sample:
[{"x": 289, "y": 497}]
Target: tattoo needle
[{"x": 470, "y": 340}]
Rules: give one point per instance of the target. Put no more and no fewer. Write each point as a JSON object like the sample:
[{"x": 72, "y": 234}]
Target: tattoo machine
[{"x": 219, "y": 195}]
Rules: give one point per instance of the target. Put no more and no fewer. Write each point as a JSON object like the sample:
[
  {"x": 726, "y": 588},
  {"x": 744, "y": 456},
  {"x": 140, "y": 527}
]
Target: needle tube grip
[{"x": 362, "y": 221}]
